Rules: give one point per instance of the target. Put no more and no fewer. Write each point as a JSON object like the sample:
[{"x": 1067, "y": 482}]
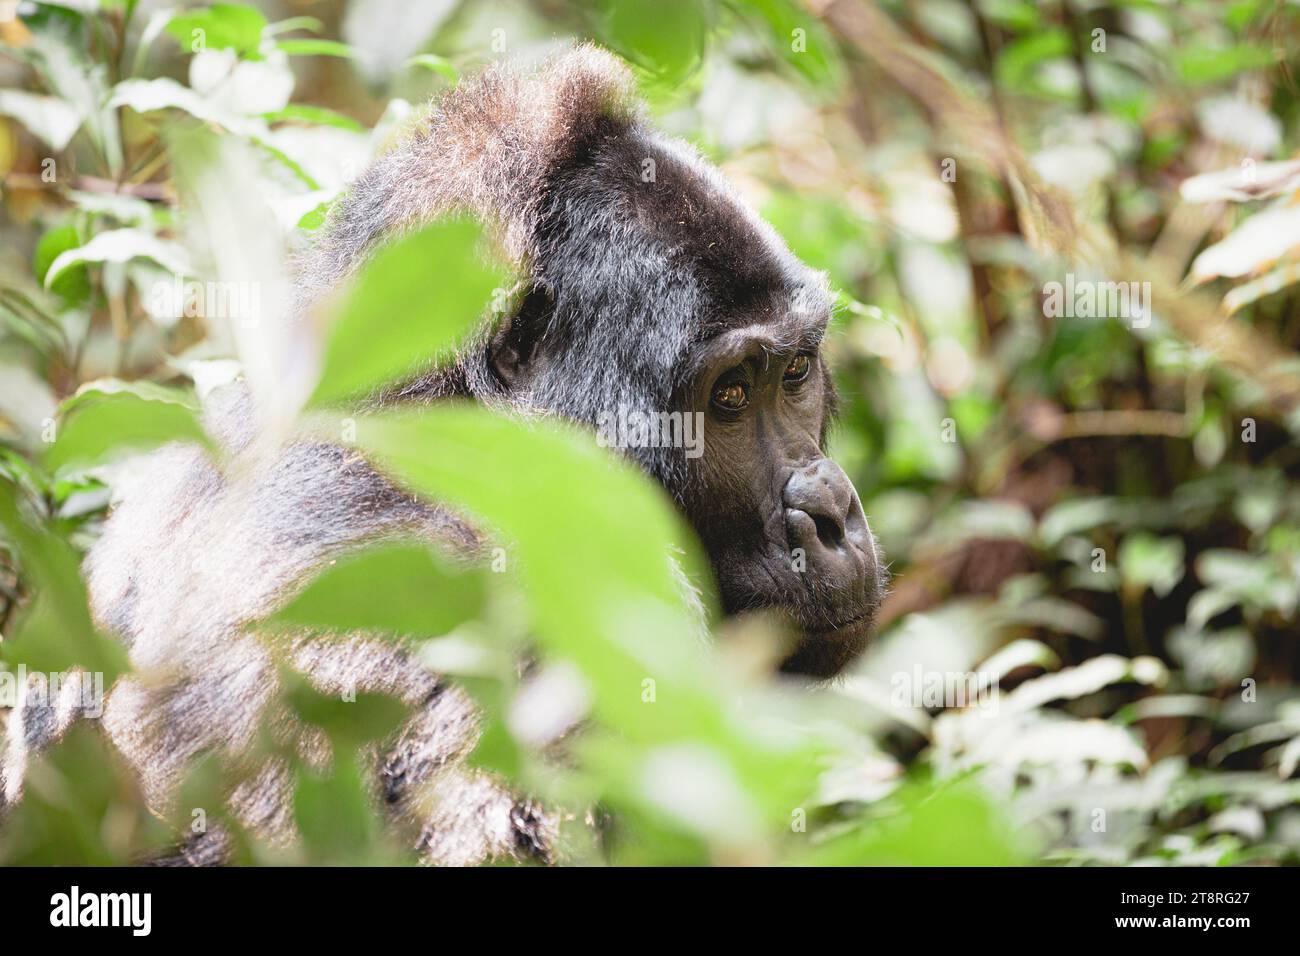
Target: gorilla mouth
[{"x": 823, "y": 652}]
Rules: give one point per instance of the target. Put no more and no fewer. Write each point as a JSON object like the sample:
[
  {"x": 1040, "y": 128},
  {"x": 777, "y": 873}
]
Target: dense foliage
[{"x": 1090, "y": 507}]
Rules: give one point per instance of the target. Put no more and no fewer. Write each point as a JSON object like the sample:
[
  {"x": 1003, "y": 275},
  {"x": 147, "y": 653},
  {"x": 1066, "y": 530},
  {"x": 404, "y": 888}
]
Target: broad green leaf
[
  {"x": 310, "y": 24},
  {"x": 956, "y": 826},
  {"x": 334, "y": 809},
  {"x": 1255, "y": 580},
  {"x": 593, "y": 537},
  {"x": 1202, "y": 65},
  {"x": 801, "y": 40},
  {"x": 1075, "y": 515},
  {"x": 1019, "y": 61},
  {"x": 409, "y": 306},
  {"x": 234, "y": 26},
  {"x": 336, "y": 816},
  {"x": 349, "y": 723},
  {"x": 1216, "y": 659},
  {"x": 314, "y": 218},
  {"x": 400, "y": 589},
  {"x": 149, "y": 391},
  {"x": 121, "y": 422},
  {"x": 665, "y": 37},
  {"x": 74, "y": 283}
]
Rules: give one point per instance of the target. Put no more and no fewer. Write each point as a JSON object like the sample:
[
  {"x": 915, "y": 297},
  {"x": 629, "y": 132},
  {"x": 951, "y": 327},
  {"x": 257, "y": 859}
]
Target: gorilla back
[{"x": 648, "y": 288}]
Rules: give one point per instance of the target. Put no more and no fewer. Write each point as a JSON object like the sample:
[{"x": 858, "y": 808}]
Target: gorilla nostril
[{"x": 829, "y": 531}]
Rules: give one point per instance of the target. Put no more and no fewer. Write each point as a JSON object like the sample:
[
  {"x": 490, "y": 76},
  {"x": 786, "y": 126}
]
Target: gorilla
[{"x": 646, "y": 285}]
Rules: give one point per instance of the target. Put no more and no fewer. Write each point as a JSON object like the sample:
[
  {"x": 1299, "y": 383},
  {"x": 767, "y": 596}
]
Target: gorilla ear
[{"x": 513, "y": 350}]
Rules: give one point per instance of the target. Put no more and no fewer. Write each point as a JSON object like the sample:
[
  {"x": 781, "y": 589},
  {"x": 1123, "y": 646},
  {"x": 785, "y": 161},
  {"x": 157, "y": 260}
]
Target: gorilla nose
[{"x": 824, "y": 517}]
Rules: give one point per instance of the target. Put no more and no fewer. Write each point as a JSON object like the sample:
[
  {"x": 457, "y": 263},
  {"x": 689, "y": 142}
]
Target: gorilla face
[{"x": 782, "y": 522}]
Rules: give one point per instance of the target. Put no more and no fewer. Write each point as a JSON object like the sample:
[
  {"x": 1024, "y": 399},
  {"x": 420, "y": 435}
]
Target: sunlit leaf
[
  {"x": 234, "y": 26},
  {"x": 316, "y": 48},
  {"x": 958, "y": 826},
  {"x": 410, "y": 305},
  {"x": 121, "y": 245},
  {"x": 120, "y": 422},
  {"x": 665, "y": 37},
  {"x": 401, "y": 589}
]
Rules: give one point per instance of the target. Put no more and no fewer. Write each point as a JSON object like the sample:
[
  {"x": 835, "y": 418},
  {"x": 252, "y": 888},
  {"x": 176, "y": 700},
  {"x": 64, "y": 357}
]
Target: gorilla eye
[
  {"x": 732, "y": 396},
  {"x": 798, "y": 368}
]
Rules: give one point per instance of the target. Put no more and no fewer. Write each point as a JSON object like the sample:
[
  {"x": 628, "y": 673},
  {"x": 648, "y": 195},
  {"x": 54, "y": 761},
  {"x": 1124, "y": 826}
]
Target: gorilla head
[{"x": 650, "y": 294}]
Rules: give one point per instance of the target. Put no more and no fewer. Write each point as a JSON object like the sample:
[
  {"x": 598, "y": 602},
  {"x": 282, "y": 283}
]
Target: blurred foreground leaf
[
  {"x": 80, "y": 807},
  {"x": 401, "y": 589},
  {"x": 957, "y": 825},
  {"x": 121, "y": 418},
  {"x": 414, "y": 301}
]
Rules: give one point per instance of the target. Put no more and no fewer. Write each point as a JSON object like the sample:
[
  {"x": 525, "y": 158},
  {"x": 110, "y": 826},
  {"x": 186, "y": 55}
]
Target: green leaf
[
  {"x": 54, "y": 633},
  {"x": 1147, "y": 561},
  {"x": 958, "y": 825},
  {"x": 315, "y": 218},
  {"x": 410, "y": 305},
  {"x": 396, "y": 588},
  {"x": 73, "y": 284},
  {"x": 665, "y": 37},
  {"x": 593, "y": 536},
  {"x": 103, "y": 425},
  {"x": 81, "y": 807},
  {"x": 436, "y": 64},
  {"x": 801, "y": 40},
  {"x": 222, "y": 26},
  {"x": 314, "y": 114},
  {"x": 1202, "y": 65},
  {"x": 350, "y": 723},
  {"x": 336, "y": 817},
  {"x": 310, "y": 24},
  {"x": 316, "y": 48},
  {"x": 149, "y": 391},
  {"x": 1019, "y": 61},
  {"x": 120, "y": 245}
]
